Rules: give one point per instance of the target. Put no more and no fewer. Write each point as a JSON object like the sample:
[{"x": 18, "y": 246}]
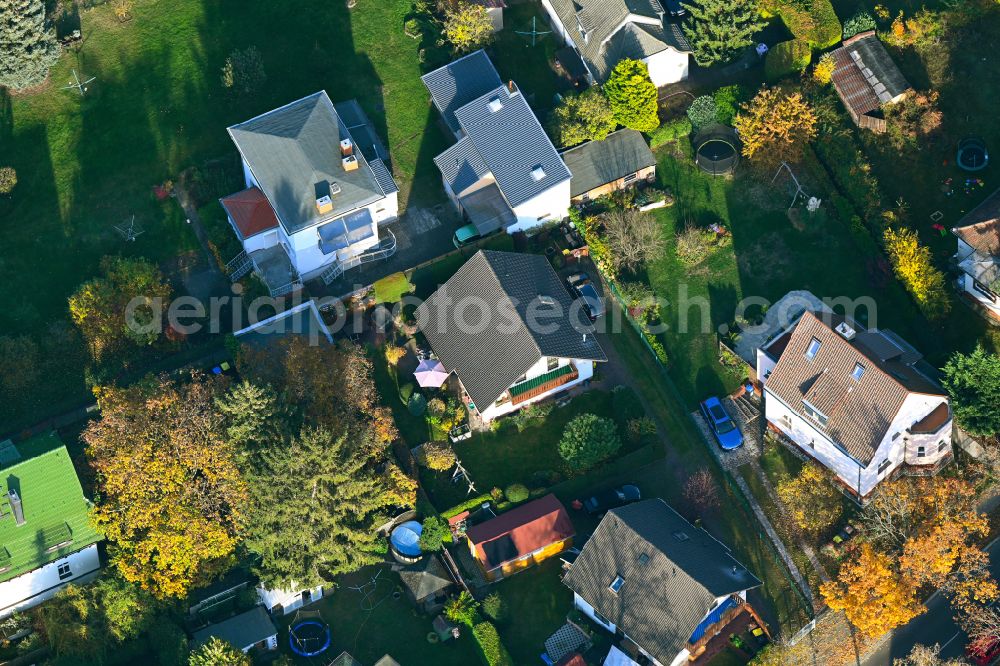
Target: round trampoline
[
  {"x": 309, "y": 637},
  {"x": 972, "y": 155},
  {"x": 717, "y": 150},
  {"x": 405, "y": 542}
]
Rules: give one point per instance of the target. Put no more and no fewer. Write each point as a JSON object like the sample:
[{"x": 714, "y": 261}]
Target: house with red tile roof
[
  {"x": 521, "y": 537},
  {"x": 978, "y": 255},
  {"x": 861, "y": 402}
]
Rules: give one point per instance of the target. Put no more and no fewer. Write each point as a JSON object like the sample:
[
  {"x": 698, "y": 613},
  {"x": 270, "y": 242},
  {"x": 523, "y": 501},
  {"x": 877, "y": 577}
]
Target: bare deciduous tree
[
  {"x": 634, "y": 237},
  {"x": 980, "y": 622},
  {"x": 924, "y": 655},
  {"x": 701, "y": 493}
]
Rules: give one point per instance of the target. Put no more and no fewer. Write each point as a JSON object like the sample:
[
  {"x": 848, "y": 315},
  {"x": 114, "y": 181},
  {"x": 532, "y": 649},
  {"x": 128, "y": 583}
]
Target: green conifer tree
[
  {"x": 633, "y": 96},
  {"x": 719, "y": 29},
  {"x": 28, "y": 46}
]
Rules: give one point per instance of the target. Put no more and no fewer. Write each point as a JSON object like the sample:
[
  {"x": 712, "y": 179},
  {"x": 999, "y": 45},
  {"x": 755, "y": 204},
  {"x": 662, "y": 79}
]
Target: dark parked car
[
  {"x": 580, "y": 284},
  {"x": 675, "y": 8},
  {"x": 722, "y": 425},
  {"x": 609, "y": 499}
]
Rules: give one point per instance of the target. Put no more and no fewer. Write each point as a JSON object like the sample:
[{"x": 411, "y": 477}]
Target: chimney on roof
[
  {"x": 324, "y": 205},
  {"x": 15, "y": 505},
  {"x": 845, "y": 330},
  {"x": 350, "y": 163},
  {"x": 346, "y": 148},
  {"x": 510, "y": 86}
]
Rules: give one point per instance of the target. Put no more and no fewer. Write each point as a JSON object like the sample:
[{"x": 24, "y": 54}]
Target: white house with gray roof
[
  {"x": 861, "y": 402},
  {"x": 603, "y": 32},
  {"x": 315, "y": 197},
  {"x": 503, "y": 172},
  {"x": 505, "y": 325},
  {"x": 650, "y": 576}
]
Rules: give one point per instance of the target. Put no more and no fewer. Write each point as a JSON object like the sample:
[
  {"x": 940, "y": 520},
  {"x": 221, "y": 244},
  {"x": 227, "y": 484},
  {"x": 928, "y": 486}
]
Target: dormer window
[
  {"x": 858, "y": 371},
  {"x": 616, "y": 584},
  {"x": 814, "y": 413},
  {"x": 813, "y": 349}
]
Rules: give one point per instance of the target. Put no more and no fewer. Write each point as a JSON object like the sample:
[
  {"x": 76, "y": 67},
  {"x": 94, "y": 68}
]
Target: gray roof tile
[
  {"x": 460, "y": 82},
  {"x": 488, "y": 358},
  {"x": 241, "y": 631},
  {"x": 597, "y": 163},
  {"x": 511, "y": 143},
  {"x": 384, "y": 178},
  {"x": 294, "y": 153},
  {"x": 666, "y": 593},
  {"x": 461, "y": 166},
  {"x": 611, "y": 37}
]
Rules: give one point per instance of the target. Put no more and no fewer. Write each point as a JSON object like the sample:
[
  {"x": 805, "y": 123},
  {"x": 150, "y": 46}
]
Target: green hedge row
[
  {"x": 815, "y": 21},
  {"x": 678, "y": 128},
  {"x": 493, "y": 651},
  {"x": 467, "y": 505},
  {"x": 786, "y": 58}
]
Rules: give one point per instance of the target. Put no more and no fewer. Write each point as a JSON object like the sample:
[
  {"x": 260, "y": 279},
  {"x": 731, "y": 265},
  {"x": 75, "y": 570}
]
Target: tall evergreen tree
[
  {"x": 973, "y": 383},
  {"x": 315, "y": 505},
  {"x": 632, "y": 96},
  {"x": 28, "y": 45},
  {"x": 719, "y": 29}
]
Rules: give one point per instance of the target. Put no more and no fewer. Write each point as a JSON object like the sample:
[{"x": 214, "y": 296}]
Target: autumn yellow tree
[
  {"x": 815, "y": 504},
  {"x": 467, "y": 27},
  {"x": 775, "y": 127},
  {"x": 914, "y": 266},
  {"x": 872, "y": 593},
  {"x": 171, "y": 499}
]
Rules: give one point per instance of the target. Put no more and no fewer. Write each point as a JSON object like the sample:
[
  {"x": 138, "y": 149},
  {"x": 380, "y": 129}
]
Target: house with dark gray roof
[
  {"x": 505, "y": 325},
  {"x": 252, "y": 630},
  {"x": 866, "y": 79},
  {"x": 503, "y": 172},
  {"x": 861, "y": 402},
  {"x": 664, "y": 585},
  {"x": 317, "y": 191},
  {"x": 603, "y": 32},
  {"x": 978, "y": 255},
  {"x": 623, "y": 159}
]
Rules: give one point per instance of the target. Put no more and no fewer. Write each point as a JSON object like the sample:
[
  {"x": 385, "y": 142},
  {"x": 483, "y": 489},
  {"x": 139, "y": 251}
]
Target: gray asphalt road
[{"x": 934, "y": 626}]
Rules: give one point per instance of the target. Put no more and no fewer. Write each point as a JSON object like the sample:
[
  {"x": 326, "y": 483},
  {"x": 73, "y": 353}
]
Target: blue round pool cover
[{"x": 406, "y": 538}]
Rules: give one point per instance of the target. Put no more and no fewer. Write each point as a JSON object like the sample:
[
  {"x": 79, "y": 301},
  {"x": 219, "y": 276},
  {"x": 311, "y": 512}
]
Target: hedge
[
  {"x": 471, "y": 503},
  {"x": 815, "y": 21},
  {"x": 493, "y": 651},
  {"x": 678, "y": 128},
  {"x": 787, "y": 58}
]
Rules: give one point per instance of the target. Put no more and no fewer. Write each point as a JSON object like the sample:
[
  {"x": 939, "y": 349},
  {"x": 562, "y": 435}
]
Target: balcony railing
[{"x": 536, "y": 386}]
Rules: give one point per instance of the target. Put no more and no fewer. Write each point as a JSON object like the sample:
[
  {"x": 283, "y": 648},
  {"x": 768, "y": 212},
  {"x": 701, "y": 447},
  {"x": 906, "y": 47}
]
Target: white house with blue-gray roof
[
  {"x": 317, "y": 191},
  {"x": 503, "y": 172}
]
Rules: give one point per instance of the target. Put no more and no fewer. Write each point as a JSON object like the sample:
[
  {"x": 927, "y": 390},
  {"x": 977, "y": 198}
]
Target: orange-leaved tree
[
  {"x": 775, "y": 127},
  {"x": 170, "y": 497},
  {"x": 872, "y": 593}
]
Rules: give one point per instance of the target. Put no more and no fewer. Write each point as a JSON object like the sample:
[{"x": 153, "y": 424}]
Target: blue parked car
[{"x": 722, "y": 425}]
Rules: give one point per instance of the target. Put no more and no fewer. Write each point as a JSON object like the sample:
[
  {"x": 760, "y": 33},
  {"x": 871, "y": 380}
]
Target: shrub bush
[
  {"x": 462, "y": 608},
  {"x": 727, "y": 103},
  {"x": 494, "y": 652},
  {"x": 516, "y": 492},
  {"x": 787, "y": 58},
  {"x": 8, "y": 179},
  {"x": 814, "y": 21},
  {"x": 405, "y": 391},
  {"x": 639, "y": 429},
  {"x": 587, "y": 440},
  {"x": 625, "y": 402},
  {"x": 417, "y": 404},
  {"x": 435, "y": 532},
  {"x": 823, "y": 71},
  {"x": 243, "y": 71},
  {"x": 860, "y": 22},
  {"x": 678, "y": 128},
  {"x": 702, "y": 112},
  {"x": 437, "y": 456},
  {"x": 492, "y": 607},
  {"x": 467, "y": 505}
]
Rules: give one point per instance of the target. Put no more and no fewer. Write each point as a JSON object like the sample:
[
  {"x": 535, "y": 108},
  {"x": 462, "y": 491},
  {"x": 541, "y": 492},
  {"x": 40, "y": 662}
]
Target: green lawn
[
  {"x": 535, "y": 604},
  {"x": 371, "y": 625},
  {"x": 157, "y": 107}
]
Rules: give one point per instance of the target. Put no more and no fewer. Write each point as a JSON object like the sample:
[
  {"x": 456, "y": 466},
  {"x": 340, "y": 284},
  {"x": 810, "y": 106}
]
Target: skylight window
[
  {"x": 812, "y": 349},
  {"x": 643, "y": 558},
  {"x": 616, "y": 584},
  {"x": 537, "y": 173},
  {"x": 681, "y": 536},
  {"x": 495, "y": 104},
  {"x": 858, "y": 371}
]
